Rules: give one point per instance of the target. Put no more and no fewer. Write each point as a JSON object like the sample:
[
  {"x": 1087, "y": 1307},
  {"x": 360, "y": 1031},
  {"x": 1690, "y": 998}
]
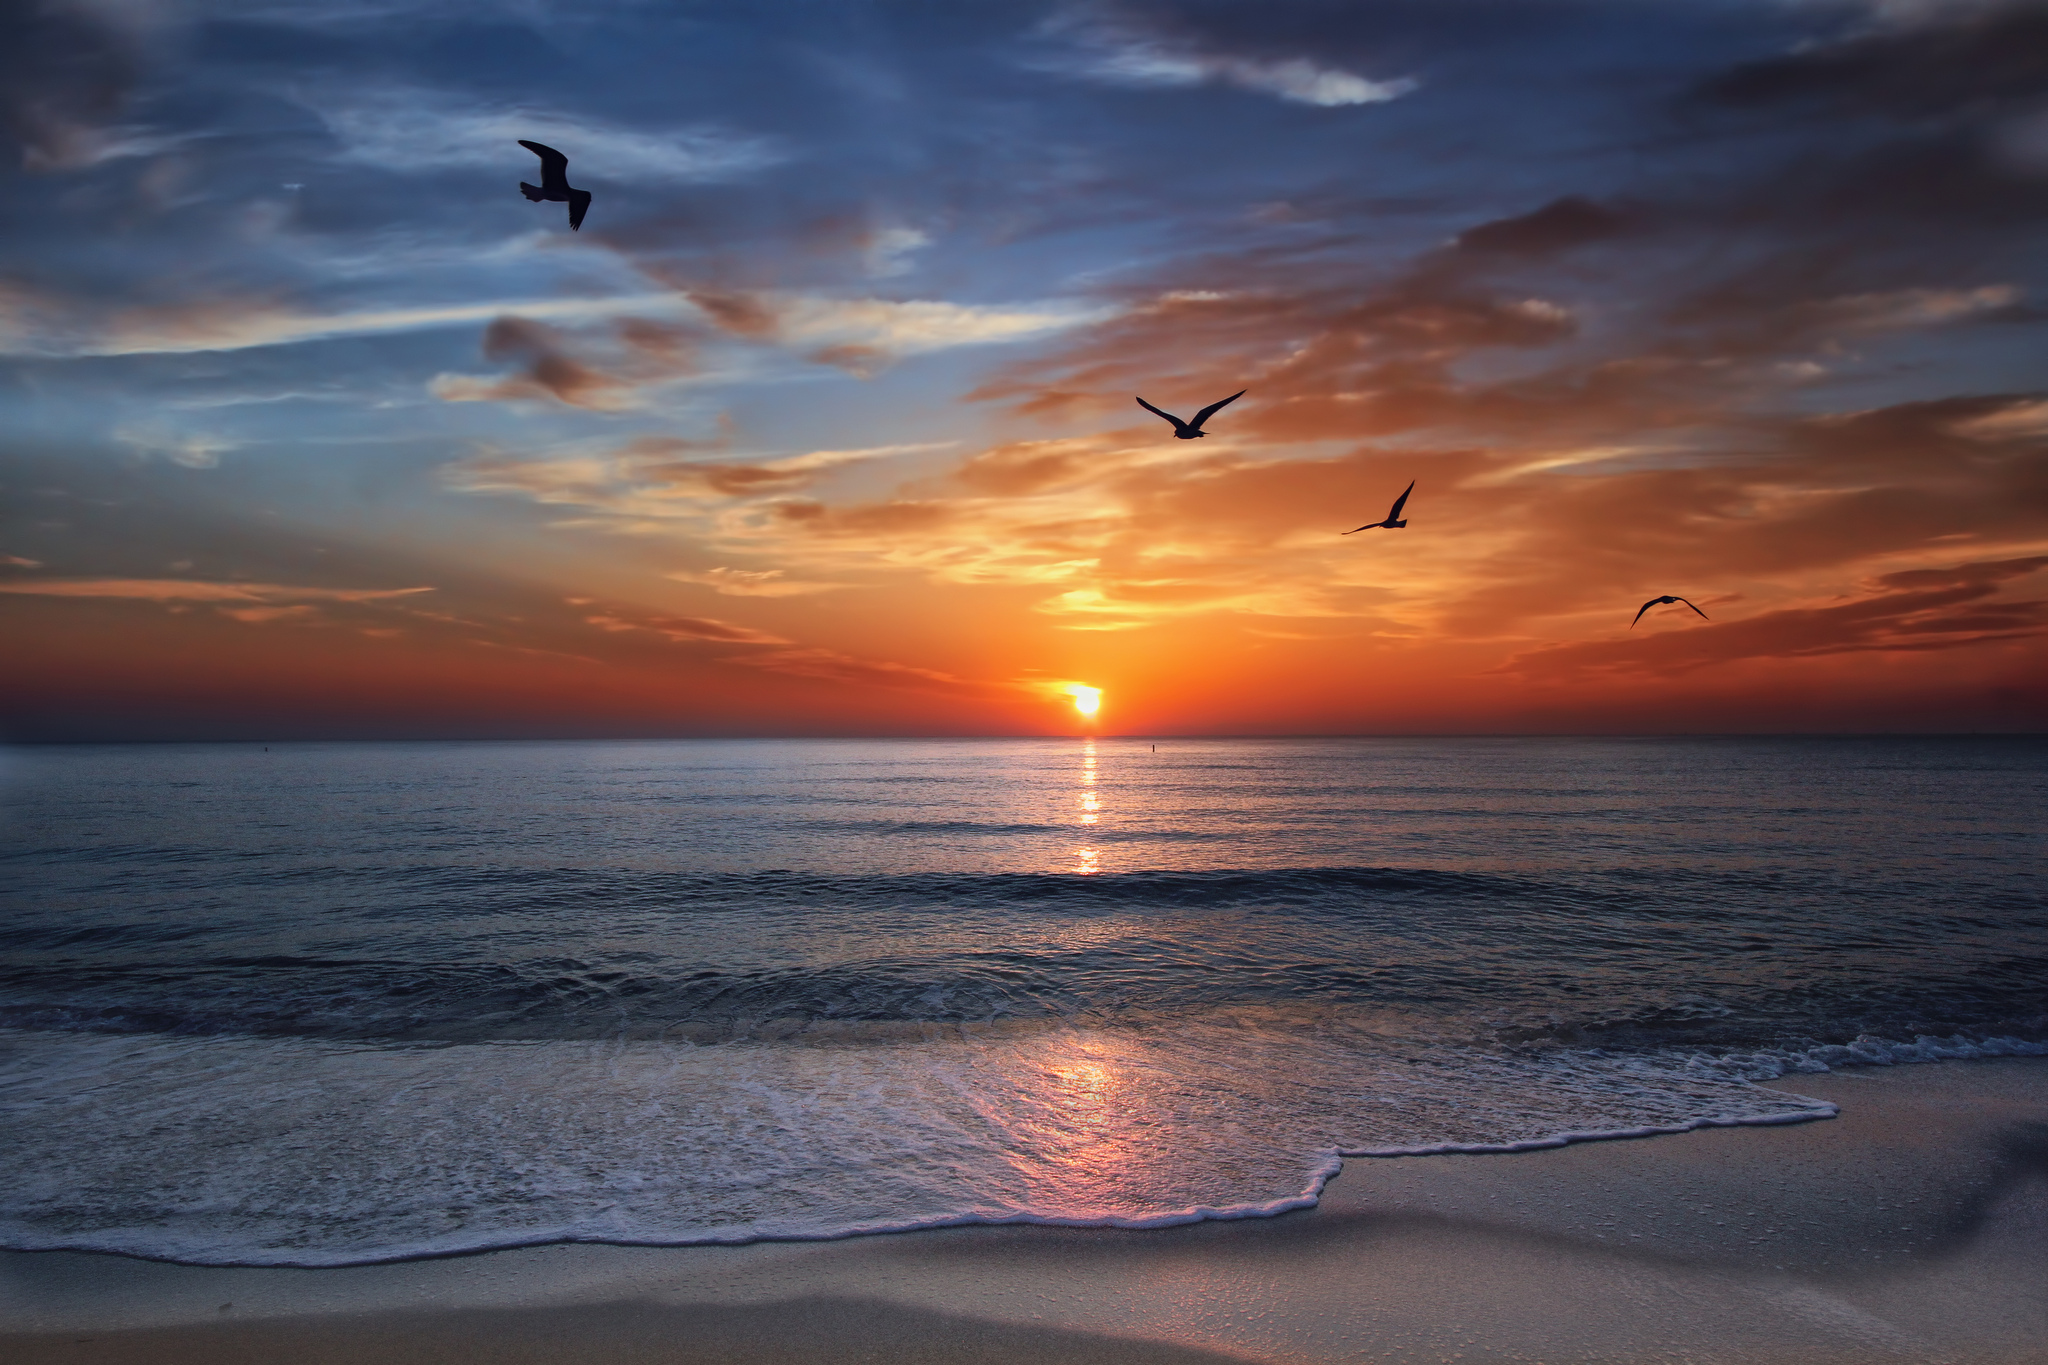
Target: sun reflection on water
[
  {"x": 1088, "y": 860},
  {"x": 1094, "y": 1117}
]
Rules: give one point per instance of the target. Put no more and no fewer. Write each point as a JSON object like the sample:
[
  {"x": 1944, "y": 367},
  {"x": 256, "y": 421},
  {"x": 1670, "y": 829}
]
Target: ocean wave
[
  {"x": 456, "y": 954},
  {"x": 751, "y": 889}
]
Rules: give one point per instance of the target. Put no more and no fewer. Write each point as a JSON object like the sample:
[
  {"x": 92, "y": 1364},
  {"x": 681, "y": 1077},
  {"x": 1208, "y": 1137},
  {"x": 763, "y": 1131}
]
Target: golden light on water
[
  {"x": 1088, "y": 861},
  {"x": 1086, "y": 699}
]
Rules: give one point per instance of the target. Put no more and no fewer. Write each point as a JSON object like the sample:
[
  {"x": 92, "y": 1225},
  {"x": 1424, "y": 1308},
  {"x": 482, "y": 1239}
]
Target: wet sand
[{"x": 1914, "y": 1227}]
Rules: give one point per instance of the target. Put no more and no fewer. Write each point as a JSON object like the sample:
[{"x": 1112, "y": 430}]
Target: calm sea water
[{"x": 338, "y": 1003}]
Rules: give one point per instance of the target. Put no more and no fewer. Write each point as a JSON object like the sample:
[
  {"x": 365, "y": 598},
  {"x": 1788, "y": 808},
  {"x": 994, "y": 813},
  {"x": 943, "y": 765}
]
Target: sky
[{"x": 311, "y": 425}]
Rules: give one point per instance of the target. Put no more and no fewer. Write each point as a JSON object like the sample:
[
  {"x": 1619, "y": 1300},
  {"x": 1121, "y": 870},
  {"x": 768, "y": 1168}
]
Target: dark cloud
[
  {"x": 1878, "y": 134},
  {"x": 886, "y": 518},
  {"x": 1965, "y": 61},
  {"x": 1558, "y": 226},
  {"x": 556, "y": 367},
  {"x": 66, "y": 71},
  {"x": 737, "y": 311},
  {"x": 1977, "y": 575},
  {"x": 550, "y": 369},
  {"x": 671, "y": 347}
]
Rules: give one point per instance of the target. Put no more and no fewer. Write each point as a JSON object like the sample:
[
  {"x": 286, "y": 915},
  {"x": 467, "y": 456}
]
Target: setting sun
[{"x": 1086, "y": 699}]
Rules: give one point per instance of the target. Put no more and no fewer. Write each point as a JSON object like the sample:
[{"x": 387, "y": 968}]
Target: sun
[{"x": 1086, "y": 699}]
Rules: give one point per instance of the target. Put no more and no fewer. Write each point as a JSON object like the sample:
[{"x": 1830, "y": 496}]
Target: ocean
[{"x": 327, "y": 1004}]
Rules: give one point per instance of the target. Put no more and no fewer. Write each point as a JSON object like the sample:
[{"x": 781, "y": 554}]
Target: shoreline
[
  {"x": 1913, "y": 1226},
  {"x": 1308, "y": 1200}
]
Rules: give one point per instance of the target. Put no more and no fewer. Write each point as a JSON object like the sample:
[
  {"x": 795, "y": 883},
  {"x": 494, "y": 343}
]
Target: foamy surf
[{"x": 298, "y": 1152}]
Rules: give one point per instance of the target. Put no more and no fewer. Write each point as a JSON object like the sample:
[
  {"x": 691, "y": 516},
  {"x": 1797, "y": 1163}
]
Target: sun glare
[{"x": 1086, "y": 699}]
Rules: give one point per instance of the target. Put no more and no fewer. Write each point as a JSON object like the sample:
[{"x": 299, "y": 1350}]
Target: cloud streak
[
  {"x": 417, "y": 131},
  {"x": 731, "y": 582},
  {"x": 1119, "y": 51},
  {"x": 832, "y": 666},
  {"x": 194, "y": 590},
  {"x": 689, "y": 628},
  {"x": 41, "y": 324}
]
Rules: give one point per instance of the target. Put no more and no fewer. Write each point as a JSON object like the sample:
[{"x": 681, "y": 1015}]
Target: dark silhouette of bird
[
  {"x": 1188, "y": 431},
  {"x": 1664, "y": 601},
  {"x": 554, "y": 183},
  {"x": 1393, "y": 521}
]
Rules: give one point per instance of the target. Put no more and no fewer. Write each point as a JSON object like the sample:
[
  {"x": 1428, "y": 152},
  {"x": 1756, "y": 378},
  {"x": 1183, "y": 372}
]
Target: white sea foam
[
  {"x": 303, "y": 1152},
  {"x": 1769, "y": 1064}
]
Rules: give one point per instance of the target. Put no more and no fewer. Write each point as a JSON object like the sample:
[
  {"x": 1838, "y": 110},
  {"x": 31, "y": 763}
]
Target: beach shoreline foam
[{"x": 1911, "y": 1227}]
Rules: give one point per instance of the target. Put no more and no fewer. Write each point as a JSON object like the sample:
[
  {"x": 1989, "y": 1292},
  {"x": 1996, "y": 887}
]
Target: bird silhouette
[
  {"x": 554, "y": 183},
  {"x": 1188, "y": 431},
  {"x": 1393, "y": 521},
  {"x": 1664, "y": 601}
]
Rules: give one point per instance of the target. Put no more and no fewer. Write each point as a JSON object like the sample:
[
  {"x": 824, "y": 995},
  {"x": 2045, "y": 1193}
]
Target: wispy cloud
[
  {"x": 846, "y": 668},
  {"x": 916, "y": 326},
  {"x": 657, "y": 477},
  {"x": 196, "y": 590},
  {"x": 38, "y": 323},
  {"x": 702, "y": 628},
  {"x": 67, "y": 72},
  {"x": 731, "y": 582},
  {"x": 889, "y": 249},
  {"x": 192, "y": 449},
  {"x": 1120, "y": 50},
  {"x": 405, "y": 129}
]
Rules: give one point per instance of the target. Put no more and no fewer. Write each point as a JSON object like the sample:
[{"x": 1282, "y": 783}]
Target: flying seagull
[
  {"x": 1188, "y": 431},
  {"x": 554, "y": 183},
  {"x": 1665, "y": 601},
  {"x": 1393, "y": 521}
]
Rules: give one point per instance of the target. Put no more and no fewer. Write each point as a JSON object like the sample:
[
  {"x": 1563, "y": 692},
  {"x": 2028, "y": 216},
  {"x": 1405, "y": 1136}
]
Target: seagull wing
[
  {"x": 1703, "y": 615},
  {"x": 1206, "y": 413},
  {"x": 1177, "y": 423},
  {"x": 1356, "y": 529},
  {"x": 1640, "y": 610},
  {"x": 554, "y": 167},
  {"x": 1401, "y": 502},
  {"x": 579, "y": 204}
]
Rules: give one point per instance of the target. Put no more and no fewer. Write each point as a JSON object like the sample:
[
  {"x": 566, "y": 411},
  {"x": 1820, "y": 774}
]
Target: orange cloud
[
  {"x": 690, "y": 628},
  {"x": 752, "y": 582}
]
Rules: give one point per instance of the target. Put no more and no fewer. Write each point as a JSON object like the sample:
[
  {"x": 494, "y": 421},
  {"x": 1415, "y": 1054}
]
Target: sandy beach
[{"x": 1914, "y": 1227}]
